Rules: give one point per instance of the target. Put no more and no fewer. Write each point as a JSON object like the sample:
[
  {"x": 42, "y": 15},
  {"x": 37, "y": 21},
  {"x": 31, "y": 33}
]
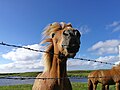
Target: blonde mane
[{"x": 48, "y": 32}]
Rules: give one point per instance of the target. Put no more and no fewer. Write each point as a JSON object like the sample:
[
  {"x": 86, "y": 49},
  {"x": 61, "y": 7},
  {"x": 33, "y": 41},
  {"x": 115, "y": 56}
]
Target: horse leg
[
  {"x": 103, "y": 87},
  {"x": 117, "y": 86},
  {"x": 107, "y": 87},
  {"x": 90, "y": 85}
]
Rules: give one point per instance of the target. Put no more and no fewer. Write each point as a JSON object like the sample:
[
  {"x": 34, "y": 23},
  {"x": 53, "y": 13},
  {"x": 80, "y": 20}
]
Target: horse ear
[
  {"x": 69, "y": 24},
  {"x": 53, "y": 34},
  {"x": 62, "y": 25}
]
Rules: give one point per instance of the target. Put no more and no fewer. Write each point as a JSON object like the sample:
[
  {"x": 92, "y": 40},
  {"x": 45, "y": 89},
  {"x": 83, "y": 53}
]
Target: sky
[{"x": 23, "y": 21}]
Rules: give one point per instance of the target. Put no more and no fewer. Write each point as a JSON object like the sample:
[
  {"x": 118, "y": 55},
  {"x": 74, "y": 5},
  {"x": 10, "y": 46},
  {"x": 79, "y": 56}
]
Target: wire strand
[{"x": 82, "y": 59}]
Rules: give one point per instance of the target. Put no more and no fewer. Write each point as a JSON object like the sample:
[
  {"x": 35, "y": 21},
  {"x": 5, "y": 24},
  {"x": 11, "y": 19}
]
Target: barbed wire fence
[
  {"x": 82, "y": 59},
  {"x": 42, "y": 51}
]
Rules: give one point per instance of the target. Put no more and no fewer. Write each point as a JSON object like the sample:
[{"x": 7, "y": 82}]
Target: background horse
[
  {"x": 105, "y": 77},
  {"x": 64, "y": 43}
]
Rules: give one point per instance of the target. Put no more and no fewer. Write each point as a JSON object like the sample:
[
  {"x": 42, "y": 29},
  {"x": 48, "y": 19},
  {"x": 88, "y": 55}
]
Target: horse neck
[{"x": 58, "y": 69}]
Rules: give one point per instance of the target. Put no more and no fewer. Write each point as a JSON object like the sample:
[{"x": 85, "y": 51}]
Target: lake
[{"x": 15, "y": 81}]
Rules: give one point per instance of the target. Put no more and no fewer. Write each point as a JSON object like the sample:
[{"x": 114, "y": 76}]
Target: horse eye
[
  {"x": 65, "y": 33},
  {"x": 53, "y": 35},
  {"x": 77, "y": 33}
]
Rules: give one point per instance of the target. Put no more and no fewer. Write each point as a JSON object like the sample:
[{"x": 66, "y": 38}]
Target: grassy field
[
  {"x": 16, "y": 87},
  {"x": 75, "y": 86},
  {"x": 80, "y": 73},
  {"x": 25, "y": 74}
]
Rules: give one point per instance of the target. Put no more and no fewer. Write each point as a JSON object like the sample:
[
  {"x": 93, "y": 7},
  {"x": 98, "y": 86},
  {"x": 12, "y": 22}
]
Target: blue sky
[{"x": 23, "y": 21}]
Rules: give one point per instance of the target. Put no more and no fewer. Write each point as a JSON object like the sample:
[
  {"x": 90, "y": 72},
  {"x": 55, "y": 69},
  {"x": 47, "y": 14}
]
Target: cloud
[
  {"x": 105, "y": 47},
  {"x": 89, "y": 65},
  {"x": 116, "y": 29},
  {"x": 84, "y": 29},
  {"x": 23, "y": 60},
  {"x": 27, "y": 61},
  {"x": 115, "y": 26}
]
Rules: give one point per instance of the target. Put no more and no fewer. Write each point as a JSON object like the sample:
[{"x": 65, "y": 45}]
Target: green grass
[
  {"x": 76, "y": 73},
  {"x": 26, "y": 74},
  {"x": 75, "y": 86},
  {"x": 16, "y": 87},
  {"x": 83, "y": 86}
]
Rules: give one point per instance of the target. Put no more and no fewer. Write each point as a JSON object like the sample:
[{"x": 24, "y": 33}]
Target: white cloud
[
  {"x": 115, "y": 26},
  {"x": 84, "y": 29},
  {"x": 89, "y": 65},
  {"x": 105, "y": 47},
  {"x": 23, "y": 60},
  {"x": 116, "y": 29}
]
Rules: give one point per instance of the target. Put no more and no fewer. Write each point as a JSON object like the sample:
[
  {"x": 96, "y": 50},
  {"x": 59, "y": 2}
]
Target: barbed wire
[
  {"x": 82, "y": 59},
  {"x": 23, "y": 78},
  {"x": 44, "y": 78}
]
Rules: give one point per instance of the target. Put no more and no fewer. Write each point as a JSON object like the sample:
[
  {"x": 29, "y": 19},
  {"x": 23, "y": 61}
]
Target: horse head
[{"x": 67, "y": 40}]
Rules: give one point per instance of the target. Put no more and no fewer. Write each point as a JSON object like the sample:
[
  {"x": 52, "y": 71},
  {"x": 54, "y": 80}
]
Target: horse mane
[{"x": 48, "y": 32}]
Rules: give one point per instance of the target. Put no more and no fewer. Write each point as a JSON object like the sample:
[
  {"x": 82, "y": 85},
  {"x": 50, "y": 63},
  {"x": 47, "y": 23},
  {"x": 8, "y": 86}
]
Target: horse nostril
[
  {"x": 73, "y": 45},
  {"x": 71, "y": 33},
  {"x": 76, "y": 33}
]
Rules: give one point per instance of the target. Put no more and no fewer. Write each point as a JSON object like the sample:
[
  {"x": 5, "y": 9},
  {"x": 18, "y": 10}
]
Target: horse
[
  {"x": 63, "y": 42},
  {"x": 105, "y": 77}
]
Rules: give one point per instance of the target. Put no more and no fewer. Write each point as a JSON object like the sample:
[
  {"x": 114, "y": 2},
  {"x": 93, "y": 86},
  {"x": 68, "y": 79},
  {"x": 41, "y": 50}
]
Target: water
[
  {"x": 83, "y": 80},
  {"x": 6, "y": 82}
]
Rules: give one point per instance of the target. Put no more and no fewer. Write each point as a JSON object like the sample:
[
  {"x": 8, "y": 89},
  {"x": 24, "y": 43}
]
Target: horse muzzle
[
  {"x": 71, "y": 49},
  {"x": 71, "y": 42}
]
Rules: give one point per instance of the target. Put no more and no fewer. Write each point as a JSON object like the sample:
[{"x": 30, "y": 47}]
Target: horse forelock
[{"x": 54, "y": 27}]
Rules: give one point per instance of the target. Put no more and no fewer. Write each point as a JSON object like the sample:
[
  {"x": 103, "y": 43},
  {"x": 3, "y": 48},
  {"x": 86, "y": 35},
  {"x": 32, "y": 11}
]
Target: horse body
[
  {"x": 64, "y": 44},
  {"x": 105, "y": 77}
]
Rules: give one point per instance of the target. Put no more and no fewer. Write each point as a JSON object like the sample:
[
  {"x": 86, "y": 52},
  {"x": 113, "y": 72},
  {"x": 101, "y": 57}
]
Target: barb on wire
[
  {"x": 10, "y": 45},
  {"x": 16, "y": 46},
  {"x": 94, "y": 61},
  {"x": 24, "y": 78}
]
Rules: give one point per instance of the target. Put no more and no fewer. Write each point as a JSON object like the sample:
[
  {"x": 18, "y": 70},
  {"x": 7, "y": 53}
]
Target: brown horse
[
  {"x": 64, "y": 42},
  {"x": 105, "y": 77}
]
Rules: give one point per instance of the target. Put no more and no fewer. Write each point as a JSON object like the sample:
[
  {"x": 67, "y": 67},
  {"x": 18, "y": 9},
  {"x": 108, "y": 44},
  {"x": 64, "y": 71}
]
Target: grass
[
  {"x": 76, "y": 73},
  {"x": 83, "y": 86},
  {"x": 34, "y": 74},
  {"x": 26, "y": 74},
  {"x": 16, "y": 87},
  {"x": 75, "y": 86}
]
